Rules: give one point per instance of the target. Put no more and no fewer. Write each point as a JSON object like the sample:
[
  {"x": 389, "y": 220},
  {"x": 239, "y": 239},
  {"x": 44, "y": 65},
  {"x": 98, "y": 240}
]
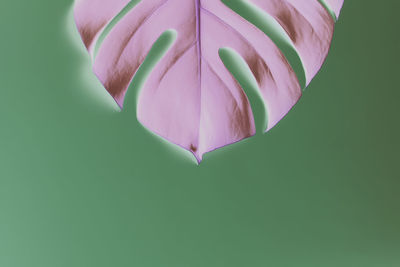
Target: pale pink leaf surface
[
  {"x": 336, "y": 6},
  {"x": 91, "y": 16},
  {"x": 309, "y": 26},
  {"x": 190, "y": 98}
]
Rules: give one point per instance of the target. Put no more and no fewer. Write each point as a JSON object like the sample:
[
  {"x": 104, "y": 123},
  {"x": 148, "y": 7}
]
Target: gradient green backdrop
[{"x": 82, "y": 185}]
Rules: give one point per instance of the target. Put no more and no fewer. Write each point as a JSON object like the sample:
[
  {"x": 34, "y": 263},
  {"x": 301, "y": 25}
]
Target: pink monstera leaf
[{"x": 190, "y": 98}]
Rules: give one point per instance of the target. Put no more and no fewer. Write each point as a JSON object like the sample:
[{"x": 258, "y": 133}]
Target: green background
[{"x": 83, "y": 185}]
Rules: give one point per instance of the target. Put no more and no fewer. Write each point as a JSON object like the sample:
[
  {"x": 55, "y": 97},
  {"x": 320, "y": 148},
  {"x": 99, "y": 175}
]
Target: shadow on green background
[{"x": 84, "y": 185}]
